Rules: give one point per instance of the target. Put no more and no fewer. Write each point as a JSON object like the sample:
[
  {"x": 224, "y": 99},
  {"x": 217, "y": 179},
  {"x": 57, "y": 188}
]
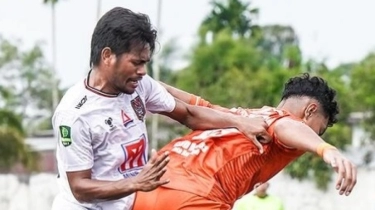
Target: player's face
[
  {"x": 129, "y": 69},
  {"x": 318, "y": 122}
]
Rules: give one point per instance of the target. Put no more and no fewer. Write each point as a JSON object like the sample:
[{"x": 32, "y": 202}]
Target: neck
[
  {"x": 294, "y": 105},
  {"x": 99, "y": 80}
]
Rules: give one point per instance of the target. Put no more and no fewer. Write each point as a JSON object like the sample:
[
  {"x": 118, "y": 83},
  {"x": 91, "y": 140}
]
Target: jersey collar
[{"x": 96, "y": 91}]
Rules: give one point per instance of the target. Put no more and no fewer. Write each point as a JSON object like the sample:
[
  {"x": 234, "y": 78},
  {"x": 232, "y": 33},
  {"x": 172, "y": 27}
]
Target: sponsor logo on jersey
[
  {"x": 65, "y": 134},
  {"x": 138, "y": 107},
  {"x": 187, "y": 148},
  {"x": 109, "y": 122},
  {"x": 125, "y": 118},
  {"x": 135, "y": 157},
  {"x": 83, "y": 101}
]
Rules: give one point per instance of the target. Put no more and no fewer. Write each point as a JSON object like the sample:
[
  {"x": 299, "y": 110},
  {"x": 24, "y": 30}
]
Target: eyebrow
[{"x": 142, "y": 60}]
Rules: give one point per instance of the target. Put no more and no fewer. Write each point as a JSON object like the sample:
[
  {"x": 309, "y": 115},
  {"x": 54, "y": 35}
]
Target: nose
[{"x": 142, "y": 70}]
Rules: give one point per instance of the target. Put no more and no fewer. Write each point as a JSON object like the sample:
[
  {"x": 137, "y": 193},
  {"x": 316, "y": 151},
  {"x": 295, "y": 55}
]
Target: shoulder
[
  {"x": 148, "y": 85},
  {"x": 74, "y": 97},
  {"x": 80, "y": 100},
  {"x": 71, "y": 103}
]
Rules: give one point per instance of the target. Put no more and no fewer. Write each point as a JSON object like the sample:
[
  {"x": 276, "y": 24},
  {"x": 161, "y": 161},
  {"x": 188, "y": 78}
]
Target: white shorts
[{"x": 61, "y": 203}]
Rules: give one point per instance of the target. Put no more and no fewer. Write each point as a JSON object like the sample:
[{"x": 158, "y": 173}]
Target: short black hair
[
  {"x": 314, "y": 87},
  {"x": 121, "y": 30}
]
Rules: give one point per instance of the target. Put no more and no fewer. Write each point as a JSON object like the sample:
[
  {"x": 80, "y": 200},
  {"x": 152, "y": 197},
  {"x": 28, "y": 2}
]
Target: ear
[
  {"x": 107, "y": 56},
  {"x": 310, "y": 109}
]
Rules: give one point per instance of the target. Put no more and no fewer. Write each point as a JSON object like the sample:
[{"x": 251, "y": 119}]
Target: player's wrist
[
  {"x": 238, "y": 123},
  {"x": 132, "y": 184},
  {"x": 323, "y": 148},
  {"x": 198, "y": 101}
]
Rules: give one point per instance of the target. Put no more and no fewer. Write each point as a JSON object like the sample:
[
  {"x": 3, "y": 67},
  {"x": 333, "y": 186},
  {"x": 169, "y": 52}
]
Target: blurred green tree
[
  {"x": 26, "y": 86},
  {"x": 13, "y": 149},
  {"x": 279, "y": 45},
  {"x": 235, "y": 16},
  {"x": 362, "y": 87}
]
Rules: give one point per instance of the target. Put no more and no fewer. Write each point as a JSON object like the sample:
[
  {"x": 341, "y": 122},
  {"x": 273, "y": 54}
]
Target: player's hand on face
[
  {"x": 150, "y": 176},
  {"x": 347, "y": 172},
  {"x": 255, "y": 129}
]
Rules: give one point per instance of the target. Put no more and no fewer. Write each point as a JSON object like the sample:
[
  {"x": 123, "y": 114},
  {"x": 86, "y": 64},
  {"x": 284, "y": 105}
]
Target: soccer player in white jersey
[{"x": 100, "y": 121}]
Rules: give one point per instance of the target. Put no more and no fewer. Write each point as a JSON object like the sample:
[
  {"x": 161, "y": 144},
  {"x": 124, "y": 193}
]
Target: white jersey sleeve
[
  {"x": 157, "y": 97},
  {"x": 74, "y": 141}
]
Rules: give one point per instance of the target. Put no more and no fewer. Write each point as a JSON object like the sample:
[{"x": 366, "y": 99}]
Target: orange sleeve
[
  {"x": 274, "y": 116},
  {"x": 274, "y": 136}
]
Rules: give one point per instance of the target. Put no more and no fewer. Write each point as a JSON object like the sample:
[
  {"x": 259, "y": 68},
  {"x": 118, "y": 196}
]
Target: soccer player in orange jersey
[{"x": 212, "y": 169}]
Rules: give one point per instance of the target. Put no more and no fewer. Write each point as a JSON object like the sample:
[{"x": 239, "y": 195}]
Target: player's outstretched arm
[
  {"x": 203, "y": 118},
  {"x": 191, "y": 98},
  {"x": 86, "y": 189},
  {"x": 177, "y": 93},
  {"x": 297, "y": 135}
]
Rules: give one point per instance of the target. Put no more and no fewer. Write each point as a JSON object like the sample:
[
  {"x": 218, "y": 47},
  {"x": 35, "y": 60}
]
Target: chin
[{"x": 128, "y": 91}]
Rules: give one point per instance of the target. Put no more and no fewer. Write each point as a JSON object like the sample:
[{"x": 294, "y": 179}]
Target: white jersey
[{"x": 105, "y": 133}]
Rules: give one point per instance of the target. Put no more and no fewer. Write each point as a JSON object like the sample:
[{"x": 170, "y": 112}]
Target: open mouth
[{"x": 134, "y": 82}]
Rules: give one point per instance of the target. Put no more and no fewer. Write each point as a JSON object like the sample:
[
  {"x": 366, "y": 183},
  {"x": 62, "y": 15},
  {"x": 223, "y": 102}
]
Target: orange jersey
[{"x": 223, "y": 165}]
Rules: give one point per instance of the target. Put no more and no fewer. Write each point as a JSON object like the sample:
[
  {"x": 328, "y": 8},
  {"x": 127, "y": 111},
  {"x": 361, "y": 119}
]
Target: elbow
[
  {"x": 189, "y": 119},
  {"x": 81, "y": 198},
  {"x": 79, "y": 194},
  {"x": 185, "y": 114},
  {"x": 189, "y": 125}
]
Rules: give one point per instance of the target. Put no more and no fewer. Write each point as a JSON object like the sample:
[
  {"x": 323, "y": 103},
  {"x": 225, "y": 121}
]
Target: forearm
[
  {"x": 177, "y": 93},
  {"x": 297, "y": 135},
  {"x": 201, "y": 118},
  {"x": 88, "y": 190},
  {"x": 186, "y": 97}
]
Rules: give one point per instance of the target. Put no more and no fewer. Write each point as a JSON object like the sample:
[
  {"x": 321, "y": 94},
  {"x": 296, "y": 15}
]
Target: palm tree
[
  {"x": 232, "y": 15},
  {"x": 10, "y": 120},
  {"x": 12, "y": 146},
  {"x": 280, "y": 42}
]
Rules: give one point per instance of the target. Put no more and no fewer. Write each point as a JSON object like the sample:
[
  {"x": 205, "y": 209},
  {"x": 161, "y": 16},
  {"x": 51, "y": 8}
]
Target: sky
[{"x": 336, "y": 30}]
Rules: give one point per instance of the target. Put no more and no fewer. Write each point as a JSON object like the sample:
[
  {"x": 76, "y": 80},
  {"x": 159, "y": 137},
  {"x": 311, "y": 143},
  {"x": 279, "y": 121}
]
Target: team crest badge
[{"x": 138, "y": 107}]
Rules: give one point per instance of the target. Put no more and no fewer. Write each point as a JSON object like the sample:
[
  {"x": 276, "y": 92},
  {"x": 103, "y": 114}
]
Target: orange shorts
[{"x": 169, "y": 199}]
